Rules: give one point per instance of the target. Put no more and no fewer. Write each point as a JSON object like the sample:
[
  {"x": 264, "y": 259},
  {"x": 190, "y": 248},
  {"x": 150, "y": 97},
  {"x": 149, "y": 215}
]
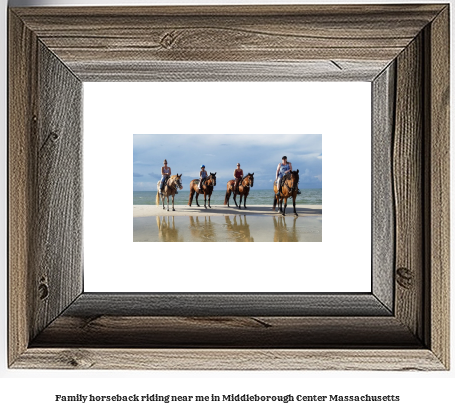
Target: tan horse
[
  {"x": 243, "y": 191},
  {"x": 206, "y": 190},
  {"x": 170, "y": 189},
  {"x": 289, "y": 183}
]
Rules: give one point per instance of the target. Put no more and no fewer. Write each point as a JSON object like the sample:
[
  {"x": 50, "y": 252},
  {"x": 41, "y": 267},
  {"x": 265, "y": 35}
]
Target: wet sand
[
  {"x": 140, "y": 211},
  {"x": 257, "y": 223}
]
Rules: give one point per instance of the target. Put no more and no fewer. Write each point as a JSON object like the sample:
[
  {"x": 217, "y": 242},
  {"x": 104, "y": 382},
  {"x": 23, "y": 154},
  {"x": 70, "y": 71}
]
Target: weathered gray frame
[{"x": 402, "y": 324}]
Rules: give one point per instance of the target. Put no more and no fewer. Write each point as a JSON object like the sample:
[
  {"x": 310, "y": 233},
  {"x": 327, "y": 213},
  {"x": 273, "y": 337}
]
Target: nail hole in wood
[{"x": 405, "y": 278}]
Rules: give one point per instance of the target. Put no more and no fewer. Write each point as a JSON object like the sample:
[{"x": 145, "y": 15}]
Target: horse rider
[
  {"x": 202, "y": 176},
  {"x": 281, "y": 170},
  {"x": 165, "y": 174},
  {"x": 238, "y": 176}
]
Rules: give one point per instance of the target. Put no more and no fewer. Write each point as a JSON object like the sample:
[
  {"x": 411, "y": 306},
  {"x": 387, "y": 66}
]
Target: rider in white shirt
[{"x": 165, "y": 174}]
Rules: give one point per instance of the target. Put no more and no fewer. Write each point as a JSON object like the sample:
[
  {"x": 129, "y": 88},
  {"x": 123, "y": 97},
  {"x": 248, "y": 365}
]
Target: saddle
[{"x": 286, "y": 176}]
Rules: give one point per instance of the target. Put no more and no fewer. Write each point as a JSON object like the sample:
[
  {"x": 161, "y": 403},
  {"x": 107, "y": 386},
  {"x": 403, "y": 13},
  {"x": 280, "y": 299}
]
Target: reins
[
  {"x": 296, "y": 181},
  {"x": 212, "y": 181},
  {"x": 249, "y": 177},
  {"x": 174, "y": 184}
]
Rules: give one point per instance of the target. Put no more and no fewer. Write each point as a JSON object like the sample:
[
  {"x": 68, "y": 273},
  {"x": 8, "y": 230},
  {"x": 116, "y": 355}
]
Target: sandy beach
[{"x": 140, "y": 211}]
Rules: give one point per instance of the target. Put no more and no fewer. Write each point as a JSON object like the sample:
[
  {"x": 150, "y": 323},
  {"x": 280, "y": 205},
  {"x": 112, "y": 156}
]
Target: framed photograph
[{"x": 402, "y": 323}]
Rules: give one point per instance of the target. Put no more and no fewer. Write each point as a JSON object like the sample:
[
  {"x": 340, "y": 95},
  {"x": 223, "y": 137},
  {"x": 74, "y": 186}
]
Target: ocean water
[{"x": 256, "y": 197}]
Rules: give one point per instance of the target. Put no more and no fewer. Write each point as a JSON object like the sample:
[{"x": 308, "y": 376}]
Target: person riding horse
[
  {"x": 165, "y": 174},
  {"x": 202, "y": 176},
  {"x": 283, "y": 168},
  {"x": 238, "y": 176}
]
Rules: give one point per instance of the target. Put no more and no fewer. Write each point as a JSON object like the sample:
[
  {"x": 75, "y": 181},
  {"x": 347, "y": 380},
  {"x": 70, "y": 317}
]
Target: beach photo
[{"x": 227, "y": 187}]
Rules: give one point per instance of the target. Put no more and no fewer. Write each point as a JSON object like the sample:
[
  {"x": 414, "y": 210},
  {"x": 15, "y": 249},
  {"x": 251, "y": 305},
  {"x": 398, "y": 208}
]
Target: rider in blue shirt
[
  {"x": 281, "y": 170},
  {"x": 202, "y": 176}
]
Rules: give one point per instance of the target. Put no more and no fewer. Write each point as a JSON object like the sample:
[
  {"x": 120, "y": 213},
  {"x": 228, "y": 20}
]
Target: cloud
[
  {"x": 257, "y": 153},
  {"x": 155, "y": 175}
]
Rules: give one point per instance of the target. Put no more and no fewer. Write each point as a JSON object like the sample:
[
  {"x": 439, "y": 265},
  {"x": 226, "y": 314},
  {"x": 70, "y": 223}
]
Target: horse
[
  {"x": 206, "y": 190},
  {"x": 244, "y": 190},
  {"x": 170, "y": 189},
  {"x": 289, "y": 184}
]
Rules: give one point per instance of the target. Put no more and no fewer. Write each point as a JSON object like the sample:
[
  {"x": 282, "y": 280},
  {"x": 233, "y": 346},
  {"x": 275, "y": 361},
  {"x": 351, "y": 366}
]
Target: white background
[
  {"x": 340, "y": 111},
  {"x": 30, "y": 391}
]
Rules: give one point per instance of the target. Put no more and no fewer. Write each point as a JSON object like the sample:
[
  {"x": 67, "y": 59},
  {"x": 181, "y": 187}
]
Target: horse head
[
  {"x": 212, "y": 176},
  {"x": 179, "y": 181},
  {"x": 248, "y": 180},
  {"x": 176, "y": 179},
  {"x": 295, "y": 178}
]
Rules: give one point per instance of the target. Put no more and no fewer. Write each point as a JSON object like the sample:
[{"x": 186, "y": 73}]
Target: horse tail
[
  {"x": 226, "y": 198},
  {"x": 157, "y": 198},
  {"x": 190, "y": 200}
]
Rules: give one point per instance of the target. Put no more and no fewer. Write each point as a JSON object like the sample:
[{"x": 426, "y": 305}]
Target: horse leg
[
  {"x": 226, "y": 197},
  {"x": 167, "y": 203},
  {"x": 240, "y": 201},
  {"x": 293, "y": 204},
  {"x": 244, "y": 202},
  {"x": 210, "y": 196},
  {"x": 173, "y": 202},
  {"x": 162, "y": 198},
  {"x": 285, "y": 204},
  {"x": 197, "y": 201},
  {"x": 234, "y": 196},
  {"x": 205, "y": 200}
]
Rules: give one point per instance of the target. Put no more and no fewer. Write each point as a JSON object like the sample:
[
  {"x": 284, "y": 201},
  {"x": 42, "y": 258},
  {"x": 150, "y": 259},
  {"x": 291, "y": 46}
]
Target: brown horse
[
  {"x": 206, "y": 190},
  {"x": 289, "y": 183},
  {"x": 243, "y": 191},
  {"x": 170, "y": 189}
]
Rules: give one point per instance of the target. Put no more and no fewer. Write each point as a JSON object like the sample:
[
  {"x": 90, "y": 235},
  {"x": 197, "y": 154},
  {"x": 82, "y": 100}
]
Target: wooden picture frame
[{"x": 403, "y": 324}]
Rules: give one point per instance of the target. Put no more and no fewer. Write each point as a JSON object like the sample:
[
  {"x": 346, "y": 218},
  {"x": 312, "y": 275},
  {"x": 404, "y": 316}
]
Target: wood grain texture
[
  {"x": 53, "y": 49},
  {"x": 383, "y": 215},
  {"x": 58, "y": 209},
  {"x": 438, "y": 193},
  {"x": 227, "y": 34},
  {"x": 258, "y": 332},
  {"x": 407, "y": 175},
  {"x": 229, "y": 359},
  {"x": 308, "y": 71},
  {"x": 213, "y": 305},
  {"x": 22, "y": 94}
]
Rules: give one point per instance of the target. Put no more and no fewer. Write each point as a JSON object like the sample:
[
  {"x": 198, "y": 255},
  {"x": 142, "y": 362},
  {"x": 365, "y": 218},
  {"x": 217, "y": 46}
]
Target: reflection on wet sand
[
  {"x": 282, "y": 232},
  {"x": 167, "y": 230},
  {"x": 228, "y": 228},
  {"x": 202, "y": 230},
  {"x": 239, "y": 232}
]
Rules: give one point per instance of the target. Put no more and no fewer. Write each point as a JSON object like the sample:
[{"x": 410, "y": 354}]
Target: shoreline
[{"x": 140, "y": 211}]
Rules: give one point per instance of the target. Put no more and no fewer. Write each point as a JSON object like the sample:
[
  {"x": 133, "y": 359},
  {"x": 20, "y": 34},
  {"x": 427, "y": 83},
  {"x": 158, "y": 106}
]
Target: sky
[{"x": 220, "y": 153}]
